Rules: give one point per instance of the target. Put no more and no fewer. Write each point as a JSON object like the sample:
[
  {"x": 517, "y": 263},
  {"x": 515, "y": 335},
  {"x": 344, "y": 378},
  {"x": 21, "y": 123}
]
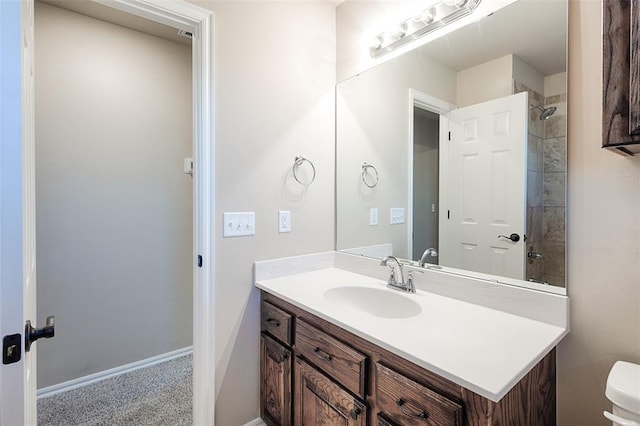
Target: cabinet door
[
  {"x": 275, "y": 387},
  {"x": 319, "y": 401}
]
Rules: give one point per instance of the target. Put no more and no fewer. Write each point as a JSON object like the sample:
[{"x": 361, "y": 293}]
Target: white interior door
[
  {"x": 17, "y": 212},
  {"x": 484, "y": 189}
]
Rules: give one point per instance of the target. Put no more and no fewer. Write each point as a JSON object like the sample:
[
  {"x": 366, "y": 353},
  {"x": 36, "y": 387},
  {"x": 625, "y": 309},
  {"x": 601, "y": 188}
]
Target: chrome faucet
[
  {"x": 407, "y": 286},
  {"x": 430, "y": 252}
]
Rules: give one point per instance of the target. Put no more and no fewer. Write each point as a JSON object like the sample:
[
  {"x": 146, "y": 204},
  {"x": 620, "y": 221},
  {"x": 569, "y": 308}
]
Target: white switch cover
[
  {"x": 284, "y": 221},
  {"x": 188, "y": 166},
  {"x": 396, "y": 215},
  {"x": 373, "y": 217},
  {"x": 239, "y": 224}
]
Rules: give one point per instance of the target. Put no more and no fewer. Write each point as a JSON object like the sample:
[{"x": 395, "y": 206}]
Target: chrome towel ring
[
  {"x": 366, "y": 172},
  {"x": 297, "y": 163}
]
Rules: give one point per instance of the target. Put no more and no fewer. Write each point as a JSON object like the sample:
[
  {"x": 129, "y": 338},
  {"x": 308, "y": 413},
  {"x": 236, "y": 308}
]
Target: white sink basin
[{"x": 382, "y": 303}]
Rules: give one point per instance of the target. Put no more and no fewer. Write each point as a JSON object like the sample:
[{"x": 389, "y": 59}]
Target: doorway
[
  {"x": 18, "y": 406},
  {"x": 426, "y": 183},
  {"x": 114, "y": 206}
]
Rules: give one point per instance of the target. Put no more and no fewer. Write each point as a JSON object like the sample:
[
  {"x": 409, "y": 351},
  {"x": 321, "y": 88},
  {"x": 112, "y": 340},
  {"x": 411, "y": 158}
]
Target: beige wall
[
  {"x": 603, "y": 235},
  {"x": 274, "y": 99},
  {"x": 114, "y": 208},
  {"x": 486, "y": 81}
]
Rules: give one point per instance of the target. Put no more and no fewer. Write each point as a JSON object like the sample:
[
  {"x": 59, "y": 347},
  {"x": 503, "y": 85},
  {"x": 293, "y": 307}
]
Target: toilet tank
[{"x": 623, "y": 390}]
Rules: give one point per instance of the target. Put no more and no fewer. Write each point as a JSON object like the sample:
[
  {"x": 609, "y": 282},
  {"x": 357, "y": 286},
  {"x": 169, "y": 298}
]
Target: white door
[
  {"x": 17, "y": 211},
  {"x": 484, "y": 194}
]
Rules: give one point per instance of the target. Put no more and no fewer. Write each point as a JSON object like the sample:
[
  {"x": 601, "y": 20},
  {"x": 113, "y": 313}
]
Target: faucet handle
[
  {"x": 409, "y": 284},
  {"x": 392, "y": 278}
]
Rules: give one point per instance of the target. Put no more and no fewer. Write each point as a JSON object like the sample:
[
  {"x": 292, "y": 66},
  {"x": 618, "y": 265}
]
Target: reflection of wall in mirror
[{"x": 372, "y": 125}]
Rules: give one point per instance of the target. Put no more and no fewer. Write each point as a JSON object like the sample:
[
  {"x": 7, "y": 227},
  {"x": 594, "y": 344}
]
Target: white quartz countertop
[{"x": 485, "y": 350}]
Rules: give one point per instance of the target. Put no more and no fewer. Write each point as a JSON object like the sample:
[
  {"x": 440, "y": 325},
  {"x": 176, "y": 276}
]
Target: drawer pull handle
[
  {"x": 423, "y": 415},
  {"x": 274, "y": 322},
  {"x": 322, "y": 354},
  {"x": 355, "y": 413}
]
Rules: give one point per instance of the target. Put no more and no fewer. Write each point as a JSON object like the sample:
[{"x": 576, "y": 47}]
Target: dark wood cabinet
[
  {"x": 320, "y": 401},
  {"x": 342, "y": 379},
  {"x": 275, "y": 383},
  {"x": 621, "y": 76}
]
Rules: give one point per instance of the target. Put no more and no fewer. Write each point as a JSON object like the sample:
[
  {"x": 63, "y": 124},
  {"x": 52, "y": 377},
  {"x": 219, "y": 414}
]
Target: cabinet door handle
[
  {"x": 274, "y": 322},
  {"x": 322, "y": 354},
  {"x": 355, "y": 413},
  {"x": 423, "y": 415}
]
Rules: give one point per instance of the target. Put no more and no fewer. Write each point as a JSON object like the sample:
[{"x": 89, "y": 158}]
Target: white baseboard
[
  {"x": 255, "y": 422},
  {"x": 102, "y": 375}
]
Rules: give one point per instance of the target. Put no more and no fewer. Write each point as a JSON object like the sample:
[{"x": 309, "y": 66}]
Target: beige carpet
[{"x": 156, "y": 395}]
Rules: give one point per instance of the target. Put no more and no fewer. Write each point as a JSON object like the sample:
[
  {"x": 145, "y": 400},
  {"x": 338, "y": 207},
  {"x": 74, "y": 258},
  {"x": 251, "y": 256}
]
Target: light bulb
[
  {"x": 427, "y": 16},
  {"x": 376, "y": 42},
  {"x": 399, "y": 31},
  {"x": 455, "y": 3}
]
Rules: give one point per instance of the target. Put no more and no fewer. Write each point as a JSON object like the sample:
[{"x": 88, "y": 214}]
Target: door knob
[
  {"x": 32, "y": 334},
  {"x": 513, "y": 237}
]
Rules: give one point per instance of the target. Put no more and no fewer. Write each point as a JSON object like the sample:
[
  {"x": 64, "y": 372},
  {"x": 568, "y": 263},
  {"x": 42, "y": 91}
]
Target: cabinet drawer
[
  {"x": 343, "y": 363},
  {"x": 276, "y": 322},
  {"x": 406, "y": 402}
]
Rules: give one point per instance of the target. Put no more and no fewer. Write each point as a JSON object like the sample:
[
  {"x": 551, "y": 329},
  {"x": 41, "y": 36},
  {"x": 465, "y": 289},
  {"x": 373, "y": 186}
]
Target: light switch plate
[
  {"x": 239, "y": 224},
  {"x": 373, "y": 217},
  {"x": 396, "y": 215},
  {"x": 284, "y": 221},
  {"x": 188, "y": 166}
]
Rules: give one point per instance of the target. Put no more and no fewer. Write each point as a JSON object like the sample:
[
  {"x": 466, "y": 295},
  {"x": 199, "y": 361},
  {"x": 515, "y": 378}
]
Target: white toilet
[{"x": 623, "y": 390}]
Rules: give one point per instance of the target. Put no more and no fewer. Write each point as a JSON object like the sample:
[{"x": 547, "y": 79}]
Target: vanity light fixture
[{"x": 432, "y": 18}]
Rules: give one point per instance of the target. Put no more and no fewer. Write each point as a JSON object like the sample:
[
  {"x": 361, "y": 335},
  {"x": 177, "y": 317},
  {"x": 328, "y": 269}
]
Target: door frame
[
  {"x": 428, "y": 103},
  {"x": 198, "y": 21}
]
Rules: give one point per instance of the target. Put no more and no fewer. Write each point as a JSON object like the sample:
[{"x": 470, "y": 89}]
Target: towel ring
[
  {"x": 365, "y": 172},
  {"x": 297, "y": 163}
]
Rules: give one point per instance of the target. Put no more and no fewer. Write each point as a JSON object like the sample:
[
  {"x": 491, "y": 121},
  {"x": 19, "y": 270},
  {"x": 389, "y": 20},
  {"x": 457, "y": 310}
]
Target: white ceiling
[
  {"x": 114, "y": 16},
  {"x": 534, "y": 30}
]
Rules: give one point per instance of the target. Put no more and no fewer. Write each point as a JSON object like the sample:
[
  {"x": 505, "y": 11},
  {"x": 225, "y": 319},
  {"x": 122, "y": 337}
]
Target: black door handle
[
  {"x": 513, "y": 237},
  {"x": 32, "y": 334}
]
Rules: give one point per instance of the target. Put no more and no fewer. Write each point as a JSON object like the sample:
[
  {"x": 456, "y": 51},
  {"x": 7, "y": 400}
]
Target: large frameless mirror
[{"x": 453, "y": 155}]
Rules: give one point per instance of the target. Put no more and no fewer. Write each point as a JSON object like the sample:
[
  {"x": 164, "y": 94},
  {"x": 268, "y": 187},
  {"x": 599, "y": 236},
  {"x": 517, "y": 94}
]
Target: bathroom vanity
[{"x": 340, "y": 347}]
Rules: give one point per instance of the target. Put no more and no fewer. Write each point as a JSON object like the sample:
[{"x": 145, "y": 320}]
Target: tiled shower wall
[
  {"x": 554, "y": 191},
  {"x": 546, "y": 178}
]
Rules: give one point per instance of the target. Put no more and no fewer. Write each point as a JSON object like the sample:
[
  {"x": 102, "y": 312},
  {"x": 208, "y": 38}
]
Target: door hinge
[{"x": 11, "y": 348}]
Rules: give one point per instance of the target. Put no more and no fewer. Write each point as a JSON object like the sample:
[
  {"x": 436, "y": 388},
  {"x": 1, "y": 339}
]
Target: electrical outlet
[
  {"x": 396, "y": 215},
  {"x": 239, "y": 224},
  {"x": 284, "y": 221}
]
